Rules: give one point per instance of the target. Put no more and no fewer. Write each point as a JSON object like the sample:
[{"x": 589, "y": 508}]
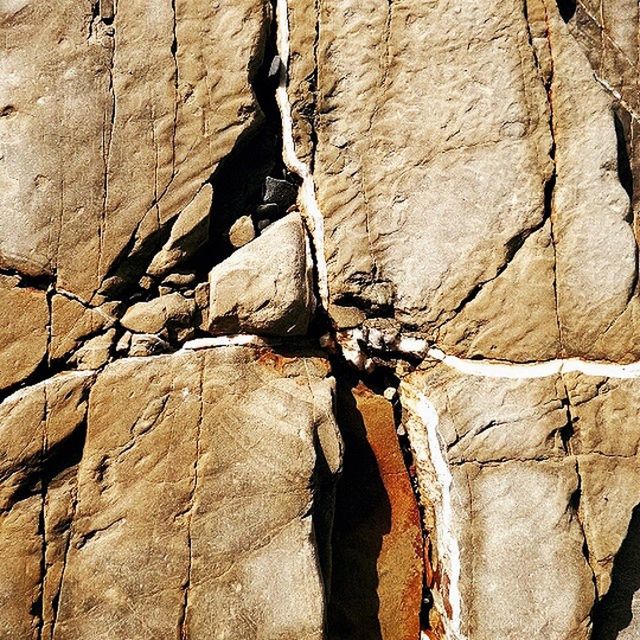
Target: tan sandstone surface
[{"x": 319, "y": 320}]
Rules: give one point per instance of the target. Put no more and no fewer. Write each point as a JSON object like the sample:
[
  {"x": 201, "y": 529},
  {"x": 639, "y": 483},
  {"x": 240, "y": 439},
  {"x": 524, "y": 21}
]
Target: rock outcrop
[{"x": 319, "y": 320}]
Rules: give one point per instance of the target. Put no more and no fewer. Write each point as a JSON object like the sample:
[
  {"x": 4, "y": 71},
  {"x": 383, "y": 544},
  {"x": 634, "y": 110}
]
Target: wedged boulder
[
  {"x": 164, "y": 312},
  {"x": 265, "y": 287}
]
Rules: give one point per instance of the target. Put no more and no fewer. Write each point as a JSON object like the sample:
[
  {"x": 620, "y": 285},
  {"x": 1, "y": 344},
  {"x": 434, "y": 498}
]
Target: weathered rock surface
[
  {"x": 377, "y": 541},
  {"x": 182, "y": 454},
  {"x": 467, "y": 174},
  {"x": 266, "y": 286},
  {"x": 532, "y": 486},
  {"x": 189, "y": 232},
  {"x": 38, "y": 427},
  {"x": 24, "y": 333},
  {"x": 164, "y": 312},
  {"x": 124, "y": 116},
  {"x": 480, "y": 148}
]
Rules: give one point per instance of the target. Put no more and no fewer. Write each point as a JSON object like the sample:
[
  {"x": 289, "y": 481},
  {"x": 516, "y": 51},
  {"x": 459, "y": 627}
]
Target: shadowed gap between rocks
[
  {"x": 625, "y": 172},
  {"x": 238, "y": 183},
  {"x": 238, "y": 187},
  {"x": 617, "y": 609},
  {"x": 567, "y": 9},
  {"x": 362, "y": 518}
]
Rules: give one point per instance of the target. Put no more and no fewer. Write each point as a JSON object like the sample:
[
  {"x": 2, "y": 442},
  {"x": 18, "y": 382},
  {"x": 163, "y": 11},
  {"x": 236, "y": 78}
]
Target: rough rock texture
[
  {"x": 377, "y": 541},
  {"x": 24, "y": 319},
  {"x": 108, "y": 74},
  {"x": 182, "y": 453},
  {"x": 478, "y": 148},
  {"x": 542, "y": 483},
  {"x": 266, "y": 286},
  {"x": 203, "y": 204}
]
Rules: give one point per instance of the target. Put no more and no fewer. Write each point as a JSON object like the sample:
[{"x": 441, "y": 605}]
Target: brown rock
[
  {"x": 265, "y": 287},
  {"x": 189, "y": 232},
  {"x": 153, "y": 316},
  {"x": 247, "y": 432},
  {"x": 242, "y": 231},
  {"x": 112, "y": 124},
  {"x": 377, "y": 541},
  {"x": 37, "y": 426},
  {"x": 72, "y": 322},
  {"x": 24, "y": 319}
]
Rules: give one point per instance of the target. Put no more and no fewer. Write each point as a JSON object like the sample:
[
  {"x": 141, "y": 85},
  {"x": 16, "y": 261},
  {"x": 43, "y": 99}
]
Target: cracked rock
[
  {"x": 189, "y": 232},
  {"x": 528, "y": 495},
  {"x": 265, "y": 287},
  {"x": 244, "y": 459}
]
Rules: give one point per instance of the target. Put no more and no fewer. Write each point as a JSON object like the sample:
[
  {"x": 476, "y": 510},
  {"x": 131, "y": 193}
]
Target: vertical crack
[
  {"x": 183, "y": 623},
  {"x": 547, "y": 78},
  {"x": 307, "y": 192},
  {"x": 107, "y": 127}
]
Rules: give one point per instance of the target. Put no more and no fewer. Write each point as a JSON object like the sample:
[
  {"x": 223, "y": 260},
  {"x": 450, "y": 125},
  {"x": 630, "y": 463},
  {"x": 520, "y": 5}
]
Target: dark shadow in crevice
[
  {"x": 362, "y": 519},
  {"x": 238, "y": 182},
  {"x": 567, "y": 9},
  {"x": 625, "y": 172},
  {"x": 614, "y": 613}
]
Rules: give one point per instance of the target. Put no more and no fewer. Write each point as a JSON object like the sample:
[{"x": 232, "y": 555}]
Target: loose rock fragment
[
  {"x": 242, "y": 231},
  {"x": 190, "y": 231},
  {"x": 279, "y": 192},
  {"x": 167, "y": 311},
  {"x": 265, "y": 287}
]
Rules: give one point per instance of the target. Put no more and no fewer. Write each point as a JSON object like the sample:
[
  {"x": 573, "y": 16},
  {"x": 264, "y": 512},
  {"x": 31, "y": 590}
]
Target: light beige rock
[
  {"x": 265, "y": 287},
  {"x": 474, "y": 194},
  {"x": 529, "y": 485},
  {"x": 24, "y": 319},
  {"x": 242, "y": 231},
  {"x": 597, "y": 301},
  {"x": 399, "y": 176},
  {"x": 160, "y": 508},
  {"x": 159, "y": 313}
]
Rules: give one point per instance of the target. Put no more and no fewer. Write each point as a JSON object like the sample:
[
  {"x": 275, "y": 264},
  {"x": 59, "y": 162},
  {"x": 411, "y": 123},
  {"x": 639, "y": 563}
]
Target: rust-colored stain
[
  {"x": 273, "y": 360},
  {"x": 295, "y": 363},
  {"x": 378, "y": 552}
]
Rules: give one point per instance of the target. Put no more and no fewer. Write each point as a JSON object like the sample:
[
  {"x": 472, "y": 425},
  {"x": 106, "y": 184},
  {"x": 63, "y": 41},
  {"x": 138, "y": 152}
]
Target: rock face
[
  {"x": 319, "y": 320},
  {"x": 177, "y": 461},
  {"x": 266, "y": 286},
  {"x": 477, "y": 149}
]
